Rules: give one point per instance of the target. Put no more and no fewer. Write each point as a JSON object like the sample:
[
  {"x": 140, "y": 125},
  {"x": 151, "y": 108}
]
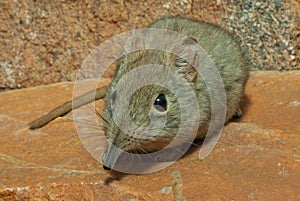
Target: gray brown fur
[{"x": 229, "y": 59}]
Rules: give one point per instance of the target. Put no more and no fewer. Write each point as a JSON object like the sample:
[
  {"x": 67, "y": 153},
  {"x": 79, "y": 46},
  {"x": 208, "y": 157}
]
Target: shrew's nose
[{"x": 106, "y": 168}]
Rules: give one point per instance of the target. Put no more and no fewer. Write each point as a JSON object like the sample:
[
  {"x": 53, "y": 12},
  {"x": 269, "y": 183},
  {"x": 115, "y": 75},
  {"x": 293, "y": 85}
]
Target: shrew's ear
[
  {"x": 187, "y": 59},
  {"x": 135, "y": 41}
]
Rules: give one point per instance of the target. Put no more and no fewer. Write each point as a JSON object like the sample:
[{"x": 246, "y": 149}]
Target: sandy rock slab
[{"x": 256, "y": 158}]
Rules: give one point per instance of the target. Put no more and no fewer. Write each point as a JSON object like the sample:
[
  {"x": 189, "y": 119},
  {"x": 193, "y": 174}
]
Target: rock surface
[{"x": 257, "y": 157}]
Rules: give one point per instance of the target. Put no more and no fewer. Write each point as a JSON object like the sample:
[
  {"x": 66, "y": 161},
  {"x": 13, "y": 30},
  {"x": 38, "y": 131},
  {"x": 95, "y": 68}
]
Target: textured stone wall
[{"x": 43, "y": 42}]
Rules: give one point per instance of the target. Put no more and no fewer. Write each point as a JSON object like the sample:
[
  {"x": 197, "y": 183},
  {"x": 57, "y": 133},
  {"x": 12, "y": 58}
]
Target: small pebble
[
  {"x": 295, "y": 103},
  {"x": 166, "y": 190}
]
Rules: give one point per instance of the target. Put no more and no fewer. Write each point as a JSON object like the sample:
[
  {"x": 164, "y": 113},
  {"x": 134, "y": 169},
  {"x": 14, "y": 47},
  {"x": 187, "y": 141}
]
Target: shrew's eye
[{"x": 160, "y": 103}]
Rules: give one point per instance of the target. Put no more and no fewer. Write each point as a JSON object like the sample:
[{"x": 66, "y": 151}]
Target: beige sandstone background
[{"x": 43, "y": 42}]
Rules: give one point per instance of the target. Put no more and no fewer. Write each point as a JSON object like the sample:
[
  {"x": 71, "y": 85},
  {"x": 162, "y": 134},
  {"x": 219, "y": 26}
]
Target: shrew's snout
[{"x": 106, "y": 168}]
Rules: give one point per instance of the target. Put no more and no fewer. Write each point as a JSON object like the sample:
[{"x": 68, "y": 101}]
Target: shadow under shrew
[{"x": 195, "y": 146}]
